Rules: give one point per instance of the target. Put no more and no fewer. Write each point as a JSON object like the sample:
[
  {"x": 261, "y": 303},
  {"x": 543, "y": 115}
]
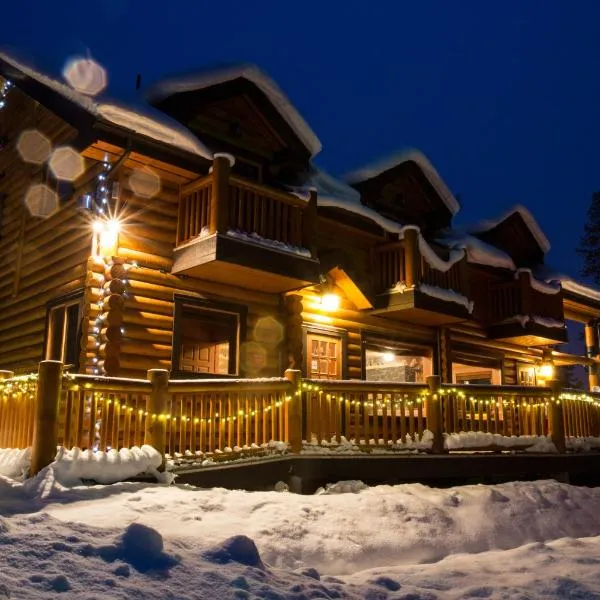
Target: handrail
[
  {"x": 182, "y": 386},
  {"x": 274, "y": 193},
  {"x": 336, "y": 385},
  {"x": 196, "y": 185},
  {"x": 479, "y": 388}
]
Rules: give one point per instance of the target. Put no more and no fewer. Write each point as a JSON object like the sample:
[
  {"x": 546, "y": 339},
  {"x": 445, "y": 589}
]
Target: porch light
[
  {"x": 330, "y": 302},
  {"x": 107, "y": 236},
  {"x": 546, "y": 370}
]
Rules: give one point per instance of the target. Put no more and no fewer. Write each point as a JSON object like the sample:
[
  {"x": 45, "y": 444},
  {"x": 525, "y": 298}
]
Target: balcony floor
[
  {"x": 232, "y": 261},
  {"x": 419, "y": 308}
]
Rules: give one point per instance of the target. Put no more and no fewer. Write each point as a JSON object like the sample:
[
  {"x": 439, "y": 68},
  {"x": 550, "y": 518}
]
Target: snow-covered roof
[
  {"x": 252, "y": 73},
  {"x": 478, "y": 251},
  {"x": 141, "y": 120},
  {"x": 409, "y": 155},
  {"x": 548, "y": 274},
  {"x": 335, "y": 193},
  {"x": 527, "y": 217}
]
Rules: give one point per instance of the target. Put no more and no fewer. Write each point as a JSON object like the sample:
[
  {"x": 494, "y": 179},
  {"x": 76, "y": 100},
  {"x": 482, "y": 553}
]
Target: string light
[{"x": 4, "y": 89}]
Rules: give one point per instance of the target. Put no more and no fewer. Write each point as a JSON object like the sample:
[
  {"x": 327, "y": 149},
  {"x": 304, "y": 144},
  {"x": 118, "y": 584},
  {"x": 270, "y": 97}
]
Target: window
[
  {"x": 394, "y": 363},
  {"x": 63, "y": 330},
  {"x": 526, "y": 375},
  {"x": 324, "y": 356},
  {"x": 207, "y": 337},
  {"x": 467, "y": 374}
]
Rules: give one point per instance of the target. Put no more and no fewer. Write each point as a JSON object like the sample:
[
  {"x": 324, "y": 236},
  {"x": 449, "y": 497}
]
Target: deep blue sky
[{"x": 503, "y": 97}]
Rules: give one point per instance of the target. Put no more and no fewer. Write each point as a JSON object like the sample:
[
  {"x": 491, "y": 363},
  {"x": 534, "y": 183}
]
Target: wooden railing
[
  {"x": 195, "y": 210},
  {"x": 215, "y": 418},
  {"x": 221, "y": 202},
  {"x": 389, "y": 265},
  {"x": 451, "y": 279},
  {"x": 402, "y": 262},
  {"x": 365, "y": 414},
  {"x": 272, "y": 214},
  {"x": 519, "y": 297}
]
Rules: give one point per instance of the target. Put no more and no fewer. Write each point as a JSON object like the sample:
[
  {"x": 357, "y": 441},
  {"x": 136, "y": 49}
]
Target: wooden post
[
  {"x": 412, "y": 256},
  {"x": 463, "y": 273},
  {"x": 157, "y": 408},
  {"x": 45, "y": 426},
  {"x": 219, "y": 203},
  {"x": 309, "y": 225},
  {"x": 557, "y": 416},
  {"x": 591, "y": 349},
  {"x": 435, "y": 422},
  {"x": 295, "y": 410},
  {"x": 525, "y": 292}
]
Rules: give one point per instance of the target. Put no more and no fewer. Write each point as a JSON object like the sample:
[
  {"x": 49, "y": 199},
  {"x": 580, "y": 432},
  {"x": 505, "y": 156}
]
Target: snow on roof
[
  {"x": 251, "y": 73},
  {"x": 548, "y": 274},
  {"x": 144, "y": 121},
  {"x": 478, "y": 252},
  {"x": 375, "y": 169},
  {"x": 530, "y": 221}
]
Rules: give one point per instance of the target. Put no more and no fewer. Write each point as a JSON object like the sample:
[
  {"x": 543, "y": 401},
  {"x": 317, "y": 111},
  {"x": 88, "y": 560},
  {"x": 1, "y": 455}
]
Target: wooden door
[
  {"x": 324, "y": 356},
  {"x": 206, "y": 350}
]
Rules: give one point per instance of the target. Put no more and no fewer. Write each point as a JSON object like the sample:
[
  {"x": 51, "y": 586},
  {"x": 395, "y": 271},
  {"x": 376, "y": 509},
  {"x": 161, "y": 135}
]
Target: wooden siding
[{"x": 40, "y": 259}]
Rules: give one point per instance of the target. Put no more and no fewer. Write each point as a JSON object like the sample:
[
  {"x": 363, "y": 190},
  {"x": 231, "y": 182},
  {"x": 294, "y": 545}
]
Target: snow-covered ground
[{"x": 136, "y": 540}]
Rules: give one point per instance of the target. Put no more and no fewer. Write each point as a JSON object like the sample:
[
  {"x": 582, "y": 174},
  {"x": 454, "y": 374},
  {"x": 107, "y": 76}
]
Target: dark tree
[{"x": 589, "y": 244}]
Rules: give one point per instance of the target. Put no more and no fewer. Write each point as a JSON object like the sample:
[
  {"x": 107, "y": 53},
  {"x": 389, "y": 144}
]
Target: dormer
[
  {"x": 241, "y": 111},
  {"x": 406, "y": 188},
  {"x": 518, "y": 234}
]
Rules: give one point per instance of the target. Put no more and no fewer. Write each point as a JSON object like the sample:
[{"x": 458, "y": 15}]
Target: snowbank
[
  {"x": 72, "y": 466},
  {"x": 14, "y": 463},
  {"x": 478, "y": 439},
  {"x": 132, "y": 540}
]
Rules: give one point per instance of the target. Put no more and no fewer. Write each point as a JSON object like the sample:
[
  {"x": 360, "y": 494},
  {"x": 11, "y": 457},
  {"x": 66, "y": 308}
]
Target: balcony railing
[
  {"x": 520, "y": 298},
  {"x": 221, "y": 203},
  {"x": 402, "y": 262}
]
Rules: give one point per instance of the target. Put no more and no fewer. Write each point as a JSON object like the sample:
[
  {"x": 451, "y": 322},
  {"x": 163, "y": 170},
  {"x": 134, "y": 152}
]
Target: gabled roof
[
  {"x": 410, "y": 155},
  {"x": 205, "y": 79},
  {"x": 141, "y": 120},
  {"x": 529, "y": 220}
]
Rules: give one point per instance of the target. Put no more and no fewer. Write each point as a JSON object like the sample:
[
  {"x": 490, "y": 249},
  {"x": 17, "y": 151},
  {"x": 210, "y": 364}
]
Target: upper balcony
[
  {"x": 526, "y": 311},
  {"x": 412, "y": 283},
  {"x": 235, "y": 231}
]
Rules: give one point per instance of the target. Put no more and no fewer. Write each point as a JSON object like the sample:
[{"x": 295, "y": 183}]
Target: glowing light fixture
[
  {"x": 330, "y": 301},
  {"x": 107, "y": 233},
  {"x": 546, "y": 370}
]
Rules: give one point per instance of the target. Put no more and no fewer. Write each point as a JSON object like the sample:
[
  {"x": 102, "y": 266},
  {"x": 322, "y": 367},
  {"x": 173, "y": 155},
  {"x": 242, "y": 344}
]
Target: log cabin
[{"x": 194, "y": 232}]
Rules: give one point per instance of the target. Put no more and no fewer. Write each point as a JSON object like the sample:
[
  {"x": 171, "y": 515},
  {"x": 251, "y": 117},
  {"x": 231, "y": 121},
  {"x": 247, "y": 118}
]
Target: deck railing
[
  {"x": 191, "y": 418},
  {"x": 221, "y": 202}
]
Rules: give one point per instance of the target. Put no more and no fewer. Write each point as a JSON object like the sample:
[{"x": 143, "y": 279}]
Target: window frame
[
  {"x": 75, "y": 298},
  {"x": 206, "y": 307}
]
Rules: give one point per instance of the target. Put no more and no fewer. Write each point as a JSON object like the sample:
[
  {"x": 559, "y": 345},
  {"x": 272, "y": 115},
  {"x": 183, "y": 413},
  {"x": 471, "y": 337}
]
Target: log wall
[
  {"x": 40, "y": 259},
  {"x": 145, "y": 340}
]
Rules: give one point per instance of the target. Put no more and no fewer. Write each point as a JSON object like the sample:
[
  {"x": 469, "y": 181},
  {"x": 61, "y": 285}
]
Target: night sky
[{"x": 503, "y": 97}]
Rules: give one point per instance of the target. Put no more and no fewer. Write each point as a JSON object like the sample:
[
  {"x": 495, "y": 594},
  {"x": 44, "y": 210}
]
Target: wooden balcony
[
  {"x": 409, "y": 288},
  {"x": 243, "y": 233},
  {"x": 523, "y": 312}
]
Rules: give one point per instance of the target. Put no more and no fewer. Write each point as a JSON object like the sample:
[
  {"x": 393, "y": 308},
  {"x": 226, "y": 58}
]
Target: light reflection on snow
[
  {"x": 41, "y": 201},
  {"x": 34, "y": 147},
  {"x": 66, "y": 164},
  {"x": 86, "y": 76}
]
